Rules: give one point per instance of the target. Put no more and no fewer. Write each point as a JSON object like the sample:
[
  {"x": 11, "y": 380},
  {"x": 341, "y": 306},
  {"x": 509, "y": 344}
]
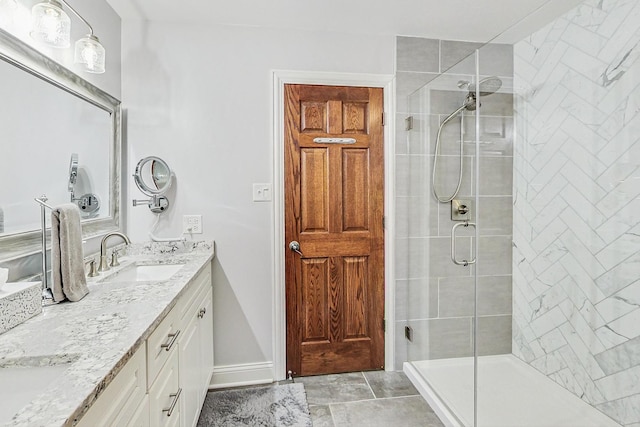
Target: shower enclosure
[{"x": 520, "y": 297}]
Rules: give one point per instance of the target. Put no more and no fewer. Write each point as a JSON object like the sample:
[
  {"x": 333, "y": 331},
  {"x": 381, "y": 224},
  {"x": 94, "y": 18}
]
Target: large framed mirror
[{"x": 53, "y": 123}]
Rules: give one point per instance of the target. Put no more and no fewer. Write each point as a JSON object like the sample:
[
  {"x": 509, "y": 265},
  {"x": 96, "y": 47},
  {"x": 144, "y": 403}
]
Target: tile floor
[{"x": 377, "y": 398}]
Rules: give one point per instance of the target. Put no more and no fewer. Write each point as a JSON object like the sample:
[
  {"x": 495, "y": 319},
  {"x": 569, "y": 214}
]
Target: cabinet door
[
  {"x": 206, "y": 343},
  {"x": 165, "y": 395},
  {"x": 122, "y": 397},
  {"x": 141, "y": 416},
  {"x": 190, "y": 371}
]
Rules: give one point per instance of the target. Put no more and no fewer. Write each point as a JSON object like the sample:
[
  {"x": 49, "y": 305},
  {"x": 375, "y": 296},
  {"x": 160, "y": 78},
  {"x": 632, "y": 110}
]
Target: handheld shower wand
[{"x": 485, "y": 87}]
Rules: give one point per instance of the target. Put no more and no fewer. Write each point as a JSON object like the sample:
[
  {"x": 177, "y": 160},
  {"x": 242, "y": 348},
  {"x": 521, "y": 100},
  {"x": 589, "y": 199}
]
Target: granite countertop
[{"x": 95, "y": 337}]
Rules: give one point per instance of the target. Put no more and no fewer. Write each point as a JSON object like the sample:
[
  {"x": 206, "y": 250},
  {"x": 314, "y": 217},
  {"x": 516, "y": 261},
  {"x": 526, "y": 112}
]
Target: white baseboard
[{"x": 240, "y": 375}]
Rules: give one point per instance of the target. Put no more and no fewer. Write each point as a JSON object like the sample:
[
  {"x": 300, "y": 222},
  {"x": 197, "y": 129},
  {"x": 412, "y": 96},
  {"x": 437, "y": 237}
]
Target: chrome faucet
[{"x": 104, "y": 266}]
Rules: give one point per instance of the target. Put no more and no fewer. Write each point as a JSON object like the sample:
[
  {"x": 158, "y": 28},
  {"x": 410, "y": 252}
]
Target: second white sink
[
  {"x": 139, "y": 273},
  {"x": 21, "y": 384}
]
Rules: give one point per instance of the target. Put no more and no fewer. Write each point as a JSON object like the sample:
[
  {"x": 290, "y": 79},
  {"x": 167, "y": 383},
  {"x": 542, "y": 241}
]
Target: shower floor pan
[{"x": 510, "y": 394}]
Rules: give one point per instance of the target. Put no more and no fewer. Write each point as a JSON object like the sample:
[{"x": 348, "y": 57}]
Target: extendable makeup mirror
[{"x": 153, "y": 176}]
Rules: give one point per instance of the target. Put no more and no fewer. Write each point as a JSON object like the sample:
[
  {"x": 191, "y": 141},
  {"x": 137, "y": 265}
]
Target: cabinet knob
[{"x": 202, "y": 312}]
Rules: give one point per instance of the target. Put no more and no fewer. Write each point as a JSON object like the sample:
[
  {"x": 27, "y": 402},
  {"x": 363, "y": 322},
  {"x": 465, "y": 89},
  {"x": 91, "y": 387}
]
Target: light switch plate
[
  {"x": 261, "y": 192},
  {"x": 192, "y": 224}
]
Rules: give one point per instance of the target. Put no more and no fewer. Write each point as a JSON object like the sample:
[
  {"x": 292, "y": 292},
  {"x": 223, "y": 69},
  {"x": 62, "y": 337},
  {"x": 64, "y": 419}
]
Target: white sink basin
[
  {"x": 20, "y": 385},
  {"x": 139, "y": 273}
]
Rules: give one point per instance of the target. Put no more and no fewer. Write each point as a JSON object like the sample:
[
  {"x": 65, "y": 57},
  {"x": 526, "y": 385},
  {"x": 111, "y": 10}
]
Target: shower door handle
[{"x": 464, "y": 262}]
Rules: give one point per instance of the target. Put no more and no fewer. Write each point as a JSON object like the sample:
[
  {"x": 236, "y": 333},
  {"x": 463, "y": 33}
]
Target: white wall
[{"x": 200, "y": 97}]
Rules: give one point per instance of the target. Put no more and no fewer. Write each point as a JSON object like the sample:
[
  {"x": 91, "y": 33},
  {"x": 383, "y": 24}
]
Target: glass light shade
[
  {"x": 7, "y": 10},
  {"x": 50, "y": 24},
  {"x": 90, "y": 54}
]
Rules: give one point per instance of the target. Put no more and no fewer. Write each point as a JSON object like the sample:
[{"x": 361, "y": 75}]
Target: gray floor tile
[
  {"x": 390, "y": 384},
  {"x": 398, "y": 412},
  {"x": 321, "y": 416},
  {"x": 325, "y": 389}
]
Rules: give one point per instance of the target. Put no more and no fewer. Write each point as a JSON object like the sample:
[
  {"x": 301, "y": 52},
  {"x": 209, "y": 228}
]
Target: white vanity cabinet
[
  {"x": 196, "y": 351},
  {"x": 164, "y": 384}
]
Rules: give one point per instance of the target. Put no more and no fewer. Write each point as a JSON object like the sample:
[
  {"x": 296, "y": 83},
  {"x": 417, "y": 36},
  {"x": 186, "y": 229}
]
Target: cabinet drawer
[
  {"x": 190, "y": 302},
  {"x": 122, "y": 397},
  {"x": 160, "y": 344},
  {"x": 165, "y": 395}
]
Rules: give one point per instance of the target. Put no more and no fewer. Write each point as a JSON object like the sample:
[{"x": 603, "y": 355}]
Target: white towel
[{"x": 67, "y": 267}]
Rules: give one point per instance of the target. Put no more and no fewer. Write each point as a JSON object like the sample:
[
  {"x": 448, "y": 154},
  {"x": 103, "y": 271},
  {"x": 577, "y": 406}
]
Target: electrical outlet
[{"x": 192, "y": 224}]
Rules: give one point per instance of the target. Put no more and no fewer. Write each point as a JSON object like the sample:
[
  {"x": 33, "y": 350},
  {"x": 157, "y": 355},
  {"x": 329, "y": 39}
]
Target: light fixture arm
[{"x": 78, "y": 15}]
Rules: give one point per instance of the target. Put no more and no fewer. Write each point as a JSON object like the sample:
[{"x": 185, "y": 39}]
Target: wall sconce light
[
  {"x": 7, "y": 11},
  {"x": 52, "y": 27}
]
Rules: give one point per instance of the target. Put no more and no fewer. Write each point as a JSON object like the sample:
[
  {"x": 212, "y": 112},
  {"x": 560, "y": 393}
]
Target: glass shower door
[
  {"x": 543, "y": 329},
  {"x": 493, "y": 137},
  {"x": 574, "y": 356},
  {"x": 436, "y": 270}
]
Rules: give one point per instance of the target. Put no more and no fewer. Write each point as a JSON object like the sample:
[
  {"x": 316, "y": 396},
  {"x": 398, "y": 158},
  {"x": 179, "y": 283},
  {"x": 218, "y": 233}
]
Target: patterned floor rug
[{"x": 273, "y": 406}]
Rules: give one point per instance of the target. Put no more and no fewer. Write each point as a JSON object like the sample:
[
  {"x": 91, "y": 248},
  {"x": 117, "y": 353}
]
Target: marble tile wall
[
  {"x": 434, "y": 296},
  {"x": 576, "y": 259}
]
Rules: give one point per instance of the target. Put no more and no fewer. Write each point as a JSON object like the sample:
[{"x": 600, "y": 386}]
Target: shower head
[{"x": 487, "y": 86}]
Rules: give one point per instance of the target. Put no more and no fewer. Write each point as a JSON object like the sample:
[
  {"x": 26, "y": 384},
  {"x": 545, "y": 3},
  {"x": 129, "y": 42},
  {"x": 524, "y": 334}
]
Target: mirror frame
[{"x": 17, "y": 53}]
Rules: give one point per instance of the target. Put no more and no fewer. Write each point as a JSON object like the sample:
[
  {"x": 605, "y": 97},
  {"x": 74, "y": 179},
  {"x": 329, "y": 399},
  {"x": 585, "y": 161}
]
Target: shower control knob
[{"x": 463, "y": 209}]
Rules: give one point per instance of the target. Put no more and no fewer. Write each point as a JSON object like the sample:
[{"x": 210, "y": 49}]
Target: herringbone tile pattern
[{"x": 577, "y": 205}]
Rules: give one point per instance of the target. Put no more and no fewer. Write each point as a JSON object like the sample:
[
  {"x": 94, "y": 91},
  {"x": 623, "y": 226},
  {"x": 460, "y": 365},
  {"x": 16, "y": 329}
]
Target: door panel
[
  {"x": 314, "y": 191},
  {"x": 315, "y": 279},
  {"x": 354, "y": 272},
  {"x": 334, "y": 207},
  {"x": 355, "y": 190},
  {"x": 354, "y": 117}
]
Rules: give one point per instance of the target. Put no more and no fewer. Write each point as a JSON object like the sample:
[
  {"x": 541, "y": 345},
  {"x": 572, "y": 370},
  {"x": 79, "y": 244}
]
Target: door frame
[{"x": 279, "y": 323}]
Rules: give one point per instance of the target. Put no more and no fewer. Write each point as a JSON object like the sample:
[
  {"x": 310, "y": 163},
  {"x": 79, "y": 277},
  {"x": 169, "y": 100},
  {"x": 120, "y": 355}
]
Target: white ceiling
[{"x": 470, "y": 20}]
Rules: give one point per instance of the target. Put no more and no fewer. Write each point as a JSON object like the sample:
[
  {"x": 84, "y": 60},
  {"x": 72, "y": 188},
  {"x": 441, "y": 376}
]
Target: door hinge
[
  {"x": 384, "y": 325},
  {"x": 384, "y": 222},
  {"x": 408, "y": 123},
  {"x": 408, "y": 333},
  {"x": 384, "y": 119}
]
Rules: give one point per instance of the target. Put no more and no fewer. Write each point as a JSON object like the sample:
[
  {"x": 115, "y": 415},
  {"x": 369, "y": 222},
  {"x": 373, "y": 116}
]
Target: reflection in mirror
[
  {"x": 48, "y": 115},
  {"x": 73, "y": 172},
  {"x": 41, "y": 126},
  {"x": 161, "y": 175},
  {"x": 88, "y": 203},
  {"x": 152, "y": 176}
]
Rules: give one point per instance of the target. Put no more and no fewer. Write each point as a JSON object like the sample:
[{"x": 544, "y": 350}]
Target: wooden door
[{"x": 334, "y": 208}]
